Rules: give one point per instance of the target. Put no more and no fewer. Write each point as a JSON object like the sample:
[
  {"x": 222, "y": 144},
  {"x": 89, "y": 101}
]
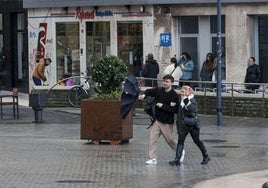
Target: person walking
[
  {"x": 187, "y": 66},
  {"x": 187, "y": 122},
  {"x": 174, "y": 71},
  {"x": 207, "y": 70},
  {"x": 167, "y": 102},
  {"x": 39, "y": 71},
  {"x": 253, "y": 74},
  {"x": 151, "y": 70}
]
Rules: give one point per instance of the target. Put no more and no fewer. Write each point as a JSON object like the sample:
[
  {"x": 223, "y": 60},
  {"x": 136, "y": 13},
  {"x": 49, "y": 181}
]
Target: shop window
[
  {"x": 67, "y": 49},
  {"x": 21, "y": 56},
  {"x": 97, "y": 42},
  {"x": 130, "y": 45}
]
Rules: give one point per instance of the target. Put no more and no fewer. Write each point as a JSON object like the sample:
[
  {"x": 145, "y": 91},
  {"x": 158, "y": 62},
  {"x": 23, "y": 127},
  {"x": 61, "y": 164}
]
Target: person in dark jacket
[
  {"x": 253, "y": 74},
  {"x": 151, "y": 70},
  {"x": 188, "y": 109},
  {"x": 167, "y": 102},
  {"x": 207, "y": 70}
]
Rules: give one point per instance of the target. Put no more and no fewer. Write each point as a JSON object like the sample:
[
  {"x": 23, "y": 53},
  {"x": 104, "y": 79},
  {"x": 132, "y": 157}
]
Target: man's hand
[
  {"x": 159, "y": 105},
  {"x": 172, "y": 104},
  {"x": 142, "y": 96}
]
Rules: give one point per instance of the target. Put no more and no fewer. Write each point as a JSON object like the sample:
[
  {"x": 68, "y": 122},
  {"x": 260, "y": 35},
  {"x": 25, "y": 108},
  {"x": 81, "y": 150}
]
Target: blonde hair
[{"x": 188, "y": 89}]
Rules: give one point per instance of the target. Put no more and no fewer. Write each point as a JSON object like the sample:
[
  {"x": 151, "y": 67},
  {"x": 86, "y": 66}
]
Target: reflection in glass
[
  {"x": 67, "y": 49},
  {"x": 130, "y": 45},
  {"x": 97, "y": 42}
]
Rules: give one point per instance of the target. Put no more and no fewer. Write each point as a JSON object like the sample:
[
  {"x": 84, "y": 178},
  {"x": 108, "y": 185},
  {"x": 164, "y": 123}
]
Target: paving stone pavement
[{"x": 51, "y": 154}]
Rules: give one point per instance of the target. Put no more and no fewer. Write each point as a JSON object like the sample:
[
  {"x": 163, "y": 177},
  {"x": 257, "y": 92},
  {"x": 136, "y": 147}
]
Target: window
[
  {"x": 22, "y": 62},
  {"x": 198, "y": 36},
  {"x": 1, "y": 21},
  {"x": 130, "y": 45},
  {"x": 97, "y": 41},
  {"x": 67, "y": 49},
  {"x": 189, "y": 32},
  {"x": 1, "y": 33},
  {"x": 189, "y": 25}
]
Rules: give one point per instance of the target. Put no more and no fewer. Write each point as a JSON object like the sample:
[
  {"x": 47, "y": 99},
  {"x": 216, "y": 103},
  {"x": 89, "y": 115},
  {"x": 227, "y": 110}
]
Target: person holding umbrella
[{"x": 167, "y": 102}]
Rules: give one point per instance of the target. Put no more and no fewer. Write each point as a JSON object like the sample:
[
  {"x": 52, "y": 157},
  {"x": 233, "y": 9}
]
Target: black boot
[
  {"x": 176, "y": 161},
  {"x": 206, "y": 158},
  {"x": 203, "y": 149}
]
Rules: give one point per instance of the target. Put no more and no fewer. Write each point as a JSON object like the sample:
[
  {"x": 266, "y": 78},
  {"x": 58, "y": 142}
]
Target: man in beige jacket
[{"x": 39, "y": 71}]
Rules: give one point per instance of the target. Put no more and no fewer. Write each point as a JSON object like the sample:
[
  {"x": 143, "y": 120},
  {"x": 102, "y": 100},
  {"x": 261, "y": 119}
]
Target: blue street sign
[{"x": 165, "y": 39}]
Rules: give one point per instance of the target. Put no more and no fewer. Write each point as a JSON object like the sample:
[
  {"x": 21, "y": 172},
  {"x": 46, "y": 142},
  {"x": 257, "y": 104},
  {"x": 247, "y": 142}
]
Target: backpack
[{"x": 150, "y": 109}]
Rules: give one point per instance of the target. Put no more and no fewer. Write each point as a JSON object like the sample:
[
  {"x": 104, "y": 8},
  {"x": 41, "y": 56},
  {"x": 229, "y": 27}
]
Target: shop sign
[
  {"x": 81, "y": 15},
  {"x": 104, "y": 13},
  {"x": 165, "y": 39}
]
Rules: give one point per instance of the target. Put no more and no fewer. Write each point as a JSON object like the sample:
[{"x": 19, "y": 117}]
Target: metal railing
[{"x": 229, "y": 89}]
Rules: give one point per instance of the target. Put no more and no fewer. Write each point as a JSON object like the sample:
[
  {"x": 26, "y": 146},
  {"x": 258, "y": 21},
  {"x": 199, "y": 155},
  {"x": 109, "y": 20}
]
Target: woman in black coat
[{"x": 188, "y": 111}]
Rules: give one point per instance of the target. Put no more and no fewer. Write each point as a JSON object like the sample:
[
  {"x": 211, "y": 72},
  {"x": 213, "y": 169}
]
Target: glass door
[
  {"x": 97, "y": 42},
  {"x": 130, "y": 45},
  {"x": 67, "y": 49}
]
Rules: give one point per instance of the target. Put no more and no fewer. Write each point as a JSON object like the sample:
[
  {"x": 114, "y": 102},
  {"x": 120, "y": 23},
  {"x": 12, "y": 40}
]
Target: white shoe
[
  {"x": 182, "y": 156},
  {"x": 152, "y": 161}
]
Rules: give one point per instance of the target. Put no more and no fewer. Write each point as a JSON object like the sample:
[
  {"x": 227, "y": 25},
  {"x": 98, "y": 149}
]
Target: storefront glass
[
  {"x": 1, "y": 21},
  {"x": 22, "y": 72},
  {"x": 97, "y": 42},
  {"x": 130, "y": 45},
  {"x": 67, "y": 49}
]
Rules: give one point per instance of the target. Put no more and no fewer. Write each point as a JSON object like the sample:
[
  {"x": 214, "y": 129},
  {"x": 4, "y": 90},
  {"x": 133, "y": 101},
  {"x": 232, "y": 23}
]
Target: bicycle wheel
[{"x": 75, "y": 95}]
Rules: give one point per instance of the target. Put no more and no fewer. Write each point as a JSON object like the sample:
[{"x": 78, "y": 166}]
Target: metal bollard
[{"x": 38, "y": 101}]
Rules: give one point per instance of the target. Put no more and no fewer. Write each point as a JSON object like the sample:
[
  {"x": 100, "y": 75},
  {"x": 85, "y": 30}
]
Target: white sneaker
[
  {"x": 152, "y": 161},
  {"x": 182, "y": 156}
]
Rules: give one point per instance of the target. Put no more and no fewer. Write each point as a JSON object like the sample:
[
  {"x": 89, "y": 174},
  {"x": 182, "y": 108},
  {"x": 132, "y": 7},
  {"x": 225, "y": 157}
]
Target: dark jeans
[
  {"x": 37, "y": 81},
  {"x": 194, "y": 132}
]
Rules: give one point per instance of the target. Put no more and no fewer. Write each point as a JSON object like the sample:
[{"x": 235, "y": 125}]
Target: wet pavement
[{"x": 51, "y": 154}]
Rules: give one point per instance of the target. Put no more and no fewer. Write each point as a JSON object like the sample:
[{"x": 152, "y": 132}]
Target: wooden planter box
[{"x": 101, "y": 120}]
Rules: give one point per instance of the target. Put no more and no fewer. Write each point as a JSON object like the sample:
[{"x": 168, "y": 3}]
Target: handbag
[{"x": 189, "y": 121}]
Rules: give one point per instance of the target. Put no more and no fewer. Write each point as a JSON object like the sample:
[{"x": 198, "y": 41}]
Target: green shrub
[{"x": 109, "y": 73}]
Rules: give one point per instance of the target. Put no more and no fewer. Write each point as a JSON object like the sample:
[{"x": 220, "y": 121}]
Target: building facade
[
  {"x": 13, "y": 45},
  {"x": 74, "y": 34}
]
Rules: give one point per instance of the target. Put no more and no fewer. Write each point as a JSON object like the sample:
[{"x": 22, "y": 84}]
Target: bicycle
[{"x": 79, "y": 92}]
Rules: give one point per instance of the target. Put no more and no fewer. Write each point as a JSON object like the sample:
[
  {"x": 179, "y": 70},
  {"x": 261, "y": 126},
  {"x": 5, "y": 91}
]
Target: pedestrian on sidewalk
[
  {"x": 39, "y": 71},
  {"x": 167, "y": 102},
  {"x": 187, "y": 122}
]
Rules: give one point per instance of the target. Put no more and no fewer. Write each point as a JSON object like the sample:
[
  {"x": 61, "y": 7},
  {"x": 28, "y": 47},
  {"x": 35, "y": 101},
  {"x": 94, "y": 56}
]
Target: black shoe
[
  {"x": 205, "y": 159},
  {"x": 176, "y": 162}
]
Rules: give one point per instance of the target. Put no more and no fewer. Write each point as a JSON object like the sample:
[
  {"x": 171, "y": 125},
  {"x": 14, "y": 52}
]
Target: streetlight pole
[{"x": 219, "y": 65}]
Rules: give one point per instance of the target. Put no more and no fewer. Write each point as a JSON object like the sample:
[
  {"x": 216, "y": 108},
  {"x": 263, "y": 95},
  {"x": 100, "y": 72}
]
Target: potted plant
[{"x": 100, "y": 116}]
